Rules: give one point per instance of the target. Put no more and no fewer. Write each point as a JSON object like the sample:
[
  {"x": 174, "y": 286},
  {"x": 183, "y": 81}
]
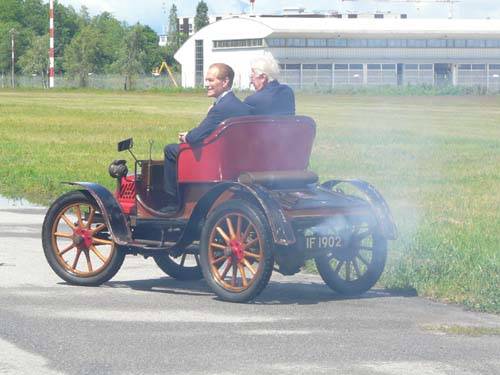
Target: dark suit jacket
[
  {"x": 228, "y": 106},
  {"x": 274, "y": 99}
]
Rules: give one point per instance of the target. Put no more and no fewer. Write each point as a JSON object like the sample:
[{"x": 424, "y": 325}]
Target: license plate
[{"x": 323, "y": 242}]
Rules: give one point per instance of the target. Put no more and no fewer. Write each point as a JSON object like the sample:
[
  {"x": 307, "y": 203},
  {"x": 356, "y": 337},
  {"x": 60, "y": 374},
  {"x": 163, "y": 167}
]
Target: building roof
[{"x": 306, "y": 26}]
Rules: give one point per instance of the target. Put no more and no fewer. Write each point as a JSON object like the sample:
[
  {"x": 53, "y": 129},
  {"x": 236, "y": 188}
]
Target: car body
[{"x": 248, "y": 205}]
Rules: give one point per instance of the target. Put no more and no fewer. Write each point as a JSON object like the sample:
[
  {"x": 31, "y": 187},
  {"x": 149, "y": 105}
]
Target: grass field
[{"x": 435, "y": 159}]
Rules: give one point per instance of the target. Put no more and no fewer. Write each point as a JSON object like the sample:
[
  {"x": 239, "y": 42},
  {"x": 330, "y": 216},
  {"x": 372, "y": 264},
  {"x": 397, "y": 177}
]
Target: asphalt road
[{"x": 143, "y": 322}]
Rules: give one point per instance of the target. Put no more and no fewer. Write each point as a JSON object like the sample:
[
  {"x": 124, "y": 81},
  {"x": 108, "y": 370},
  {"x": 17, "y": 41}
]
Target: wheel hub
[
  {"x": 237, "y": 249},
  {"x": 82, "y": 238}
]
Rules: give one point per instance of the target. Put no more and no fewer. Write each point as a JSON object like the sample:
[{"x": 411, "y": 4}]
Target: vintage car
[{"x": 248, "y": 206}]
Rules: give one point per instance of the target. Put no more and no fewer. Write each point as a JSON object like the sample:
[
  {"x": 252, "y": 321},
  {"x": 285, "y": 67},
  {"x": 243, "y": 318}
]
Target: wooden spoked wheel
[
  {"x": 235, "y": 252},
  {"x": 357, "y": 266},
  {"x": 77, "y": 243},
  {"x": 81, "y": 245}
]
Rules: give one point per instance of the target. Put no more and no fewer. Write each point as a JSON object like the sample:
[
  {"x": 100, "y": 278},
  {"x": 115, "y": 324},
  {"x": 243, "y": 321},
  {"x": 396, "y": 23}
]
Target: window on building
[
  {"x": 325, "y": 66},
  {"x": 356, "y": 66},
  {"x": 460, "y": 43},
  {"x": 275, "y": 42},
  {"x": 377, "y": 43},
  {"x": 411, "y": 66},
  {"x": 416, "y": 43},
  {"x": 341, "y": 66},
  {"x": 357, "y": 43},
  {"x": 238, "y": 43},
  {"x": 464, "y": 67},
  {"x": 478, "y": 67},
  {"x": 199, "y": 61},
  {"x": 475, "y": 43},
  {"x": 309, "y": 66},
  {"x": 396, "y": 43},
  {"x": 337, "y": 43},
  {"x": 492, "y": 43},
  {"x": 292, "y": 66},
  {"x": 388, "y": 66},
  {"x": 316, "y": 42},
  {"x": 426, "y": 67},
  {"x": 379, "y": 16},
  {"x": 495, "y": 66},
  {"x": 436, "y": 43},
  {"x": 373, "y": 66},
  {"x": 296, "y": 42},
  {"x": 352, "y": 15}
]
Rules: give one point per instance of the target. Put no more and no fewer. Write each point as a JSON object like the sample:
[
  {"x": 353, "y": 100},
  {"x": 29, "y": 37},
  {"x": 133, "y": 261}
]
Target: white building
[{"x": 332, "y": 51}]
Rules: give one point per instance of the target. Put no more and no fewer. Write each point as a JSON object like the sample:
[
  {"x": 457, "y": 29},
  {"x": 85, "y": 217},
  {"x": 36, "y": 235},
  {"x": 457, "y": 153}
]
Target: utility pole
[
  {"x": 13, "y": 64},
  {"x": 51, "y": 49}
]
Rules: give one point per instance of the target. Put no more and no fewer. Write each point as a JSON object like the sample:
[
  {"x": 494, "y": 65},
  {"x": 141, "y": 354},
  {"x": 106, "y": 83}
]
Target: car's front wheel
[
  {"x": 236, "y": 251},
  {"x": 77, "y": 243}
]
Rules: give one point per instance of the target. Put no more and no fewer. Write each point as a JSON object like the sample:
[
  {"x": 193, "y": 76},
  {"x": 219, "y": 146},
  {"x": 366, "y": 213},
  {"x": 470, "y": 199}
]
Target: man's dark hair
[{"x": 224, "y": 71}]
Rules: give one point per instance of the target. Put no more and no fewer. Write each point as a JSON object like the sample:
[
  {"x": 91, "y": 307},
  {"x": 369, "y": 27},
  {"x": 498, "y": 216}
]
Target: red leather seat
[{"x": 249, "y": 144}]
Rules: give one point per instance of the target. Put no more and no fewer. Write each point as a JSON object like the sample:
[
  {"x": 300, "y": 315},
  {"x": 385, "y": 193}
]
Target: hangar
[{"x": 328, "y": 52}]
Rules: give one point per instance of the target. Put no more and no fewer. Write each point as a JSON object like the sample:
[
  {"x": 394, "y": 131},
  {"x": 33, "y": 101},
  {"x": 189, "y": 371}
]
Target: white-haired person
[{"x": 271, "y": 97}]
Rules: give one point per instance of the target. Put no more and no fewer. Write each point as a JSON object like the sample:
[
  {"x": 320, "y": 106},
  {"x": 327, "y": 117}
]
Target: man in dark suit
[
  {"x": 271, "y": 97},
  {"x": 218, "y": 81}
]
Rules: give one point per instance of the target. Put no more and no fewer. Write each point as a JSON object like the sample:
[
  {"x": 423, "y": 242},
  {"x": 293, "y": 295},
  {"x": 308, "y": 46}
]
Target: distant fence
[{"x": 94, "y": 81}]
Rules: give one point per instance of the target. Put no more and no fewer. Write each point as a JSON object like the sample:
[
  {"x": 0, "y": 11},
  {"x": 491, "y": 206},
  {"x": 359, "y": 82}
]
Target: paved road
[{"x": 146, "y": 323}]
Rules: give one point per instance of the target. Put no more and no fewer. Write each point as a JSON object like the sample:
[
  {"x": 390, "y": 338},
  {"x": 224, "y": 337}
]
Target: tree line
[{"x": 84, "y": 44}]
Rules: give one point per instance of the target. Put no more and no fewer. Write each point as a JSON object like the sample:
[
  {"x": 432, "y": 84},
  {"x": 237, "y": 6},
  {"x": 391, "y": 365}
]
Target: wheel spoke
[
  {"x": 243, "y": 276},
  {"x": 368, "y": 248},
  {"x": 356, "y": 267},
  {"x": 223, "y": 235},
  {"x": 218, "y": 260},
  {"x": 65, "y": 235},
  {"x": 183, "y": 259},
  {"x": 363, "y": 260},
  {"x": 247, "y": 232},
  {"x": 226, "y": 270},
  {"x": 68, "y": 222},
  {"x": 78, "y": 212},
  {"x": 249, "y": 266},
  {"x": 218, "y": 246},
  {"x": 98, "y": 253},
  {"x": 229, "y": 223},
  {"x": 348, "y": 270},
  {"x": 91, "y": 217},
  {"x": 235, "y": 272},
  {"x": 77, "y": 257},
  {"x": 238, "y": 228},
  {"x": 66, "y": 249},
  {"x": 89, "y": 263},
  {"x": 99, "y": 228},
  {"x": 251, "y": 243},
  {"x": 363, "y": 235},
  {"x": 99, "y": 241},
  {"x": 339, "y": 266},
  {"x": 252, "y": 255}
]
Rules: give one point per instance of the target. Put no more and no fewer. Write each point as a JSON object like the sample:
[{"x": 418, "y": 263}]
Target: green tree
[
  {"x": 82, "y": 55},
  {"x": 201, "y": 19},
  {"x": 173, "y": 37},
  {"x": 112, "y": 32},
  {"x": 35, "y": 60},
  {"x": 139, "y": 54}
]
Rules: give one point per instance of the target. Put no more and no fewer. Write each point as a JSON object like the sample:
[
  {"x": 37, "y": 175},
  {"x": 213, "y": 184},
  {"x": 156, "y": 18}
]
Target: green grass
[{"x": 435, "y": 159}]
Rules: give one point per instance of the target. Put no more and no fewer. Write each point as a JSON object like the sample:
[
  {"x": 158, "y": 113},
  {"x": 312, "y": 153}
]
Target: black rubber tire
[
  {"x": 265, "y": 268},
  {"x": 177, "y": 271},
  {"x": 363, "y": 283},
  {"x": 114, "y": 261}
]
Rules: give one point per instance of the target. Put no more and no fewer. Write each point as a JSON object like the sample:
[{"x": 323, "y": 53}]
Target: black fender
[
  {"x": 280, "y": 226},
  {"x": 377, "y": 202},
  {"x": 111, "y": 211}
]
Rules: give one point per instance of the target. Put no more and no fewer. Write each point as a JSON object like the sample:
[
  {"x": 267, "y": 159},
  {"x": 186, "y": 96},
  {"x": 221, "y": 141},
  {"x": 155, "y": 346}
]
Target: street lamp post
[{"x": 13, "y": 33}]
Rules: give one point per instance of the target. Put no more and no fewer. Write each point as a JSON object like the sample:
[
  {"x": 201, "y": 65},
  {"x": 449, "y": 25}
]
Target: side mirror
[{"x": 126, "y": 144}]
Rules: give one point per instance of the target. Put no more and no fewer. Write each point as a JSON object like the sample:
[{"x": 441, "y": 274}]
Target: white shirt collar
[{"x": 222, "y": 95}]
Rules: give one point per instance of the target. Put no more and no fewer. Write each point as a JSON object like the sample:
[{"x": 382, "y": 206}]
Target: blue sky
[{"x": 151, "y": 12}]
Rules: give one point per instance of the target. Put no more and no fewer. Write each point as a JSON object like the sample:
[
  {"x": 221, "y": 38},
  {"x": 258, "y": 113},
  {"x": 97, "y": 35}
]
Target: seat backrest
[{"x": 249, "y": 144}]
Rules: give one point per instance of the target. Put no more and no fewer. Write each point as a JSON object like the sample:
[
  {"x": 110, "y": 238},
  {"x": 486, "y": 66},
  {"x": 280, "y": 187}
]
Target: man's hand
[{"x": 182, "y": 137}]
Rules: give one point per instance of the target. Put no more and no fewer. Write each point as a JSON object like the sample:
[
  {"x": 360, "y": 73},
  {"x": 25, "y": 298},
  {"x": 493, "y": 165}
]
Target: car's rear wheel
[
  {"x": 185, "y": 267},
  {"x": 77, "y": 243},
  {"x": 356, "y": 267},
  {"x": 236, "y": 251}
]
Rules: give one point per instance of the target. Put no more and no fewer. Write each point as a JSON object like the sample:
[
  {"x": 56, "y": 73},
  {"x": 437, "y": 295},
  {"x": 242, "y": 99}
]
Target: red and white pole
[{"x": 51, "y": 50}]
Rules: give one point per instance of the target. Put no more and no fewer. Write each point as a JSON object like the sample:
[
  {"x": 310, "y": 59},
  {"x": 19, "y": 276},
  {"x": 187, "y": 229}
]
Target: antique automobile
[{"x": 248, "y": 206}]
